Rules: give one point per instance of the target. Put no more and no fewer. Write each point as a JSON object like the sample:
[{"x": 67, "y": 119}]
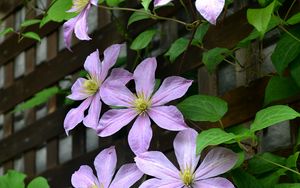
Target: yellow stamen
[
  {"x": 141, "y": 104},
  {"x": 187, "y": 177},
  {"x": 80, "y": 4},
  {"x": 90, "y": 86},
  {"x": 95, "y": 186}
]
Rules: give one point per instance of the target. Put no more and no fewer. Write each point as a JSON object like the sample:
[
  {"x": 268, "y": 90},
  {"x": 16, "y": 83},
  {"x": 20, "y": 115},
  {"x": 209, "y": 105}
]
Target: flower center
[
  {"x": 90, "y": 86},
  {"x": 95, "y": 186},
  {"x": 80, "y": 4},
  {"x": 141, "y": 104},
  {"x": 187, "y": 177}
]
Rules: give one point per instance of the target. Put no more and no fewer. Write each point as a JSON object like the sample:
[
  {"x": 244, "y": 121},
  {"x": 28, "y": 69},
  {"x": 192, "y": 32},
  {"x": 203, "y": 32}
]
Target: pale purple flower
[
  {"x": 78, "y": 24},
  {"x": 105, "y": 164},
  {"x": 143, "y": 104},
  {"x": 166, "y": 175},
  {"x": 209, "y": 9},
  {"x": 88, "y": 89}
]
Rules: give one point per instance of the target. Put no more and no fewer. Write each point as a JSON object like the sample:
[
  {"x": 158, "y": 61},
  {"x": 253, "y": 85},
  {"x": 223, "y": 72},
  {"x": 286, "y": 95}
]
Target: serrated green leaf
[
  {"x": 38, "y": 99},
  {"x": 32, "y": 35},
  {"x": 214, "y": 57},
  {"x": 294, "y": 19},
  {"x": 177, "y": 48},
  {"x": 137, "y": 16},
  {"x": 38, "y": 182},
  {"x": 200, "y": 33},
  {"x": 212, "y": 137},
  {"x": 273, "y": 115},
  {"x": 143, "y": 39},
  {"x": 146, "y": 4},
  {"x": 27, "y": 23},
  {"x": 279, "y": 88},
  {"x": 260, "y": 18},
  {"x": 203, "y": 108}
]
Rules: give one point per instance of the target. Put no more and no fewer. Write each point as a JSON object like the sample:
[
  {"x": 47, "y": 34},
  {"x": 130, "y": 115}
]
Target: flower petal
[
  {"x": 210, "y": 9},
  {"x": 94, "y": 2},
  {"x": 157, "y": 183},
  {"x": 113, "y": 120},
  {"x": 76, "y": 115},
  {"x": 156, "y": 164},
  {"x": 92, "y": 65},
  {"x": 93, "y": 116},
  {"x": 218, "y": 161},
  {"x": 111, "y": 55},
  {"x": 144, "y": 77},
  {"x": 167, "y": 117},
  {"x": 84, "y": 178},
  {"x": 213, "y": 183},
  {"x": 105, "y": 164},
  {"x": 140, "y": 134},
  {"x": 116, "y": 94},
  {"x": 77, "y": 90},
  {"x": 185, "y": 149},
  {"x": 172, "y": 88},
  {"x": 119, "y": 75},
  {"x": 68, "y": 28},
  {"x": 81, "y": 28},
  {"x": 161, "y": 2},
  {"x": 127, "y": 175}
]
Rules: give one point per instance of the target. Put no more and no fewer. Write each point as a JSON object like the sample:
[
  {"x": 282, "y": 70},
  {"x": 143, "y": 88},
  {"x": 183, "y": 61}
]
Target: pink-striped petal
[
  {"x": 161, "y": 2},
  {"x": 168, "y": 117},
  {"x": 172, "y": 88},
  {"x": 81, "y": 28},
  {"x": 105, "y": 164},
  {"x": 111, "y": 55},
  {"x": 76, "y": 115},
  {"x": 119, "y": 75},
  {"x": 156, "y": 164},
  {"x": 157, "y": 183},
  {"x": 140, "y": 134},
  {"x": 185, "y": 149},
  {"x": 126, "y": 176},
  {"x": 213, "y": 183},
  {"x": 113, "y": 120},
  {"x": 210, "y": 9},
  {"x": 84, "y": 178},
  {"x": 92, "y": 65},
  {"x": 93, "y": 116},
  {"x": 144, "y": 77},
  {"x": 116, "y": 94},
  {"x": 77, "y": 90},
  {"x": 218, "y": 161}
]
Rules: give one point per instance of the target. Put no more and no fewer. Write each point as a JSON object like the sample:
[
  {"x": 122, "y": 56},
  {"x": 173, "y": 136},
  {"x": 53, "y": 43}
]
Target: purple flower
[
  {"x": 209, "y": 9},
  {"x": 87, "y": 89},
  {"x": 78, "y": 24},
  {"x": 143, "y": 105},
  {"x": 105, "y": 164},
  {"x": 217, "y": 161}
]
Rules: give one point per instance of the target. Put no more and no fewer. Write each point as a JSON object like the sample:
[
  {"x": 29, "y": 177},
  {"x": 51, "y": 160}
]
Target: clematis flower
[
  {"x": 209, "y": 9},
  {"x": 105, "y": 165},
  {"x": 143, "y": 105},
  {"x": 78, "y": 24},
  {"x": 166, "y": 175},
  {"x": 88, "y": 89}
]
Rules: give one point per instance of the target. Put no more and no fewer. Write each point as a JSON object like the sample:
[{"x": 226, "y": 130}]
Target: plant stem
[
  {"x": 289, "y": 10},
  {"x": 221, "y": 124},
  {"x": 289, "y": 33}
]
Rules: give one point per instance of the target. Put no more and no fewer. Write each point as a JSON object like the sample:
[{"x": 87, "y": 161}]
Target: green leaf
[
  {"x": 143, "y": 40},
  {"x": 146, "y": 4},
  {"x": 260, "y": 18},
  {"x": 214, "y": 57},
  {"x": 243, "y": 179},
  {"x": 137, "y": 16},
  {"x": 203, "y": 108},
  {"x": 32, "y": 35},
  {"x": 38, "y": 182},
  {"x": 264, "y": 3},
  {"x": 272, "y": 179},
  {"x": 58, "y": 12},
  {"x": 15, "y": 179},
  {"x": 287, "y": 49},
  {"x": 279, "y": 88},
  {"x": 38, "y": 99},
  {"x": 177, "y": 48},
  {"x": 113, "y": 3},
  {"x": 258, "y": 166},
  {"x": 295, "y": 70},
  {"x": 241, "y": 133},
  {"x": 27, "y": 23},
  {"x": 291, "y": 162},
  {"x": 273, "y": 115},
  {"x": 6, "y": 31},
  {"x": 212, "y": 137},
  {"x": 294, "y": 19},
  {"x": 287, "y": 185},
  {"x": 200, "y": 33}
]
